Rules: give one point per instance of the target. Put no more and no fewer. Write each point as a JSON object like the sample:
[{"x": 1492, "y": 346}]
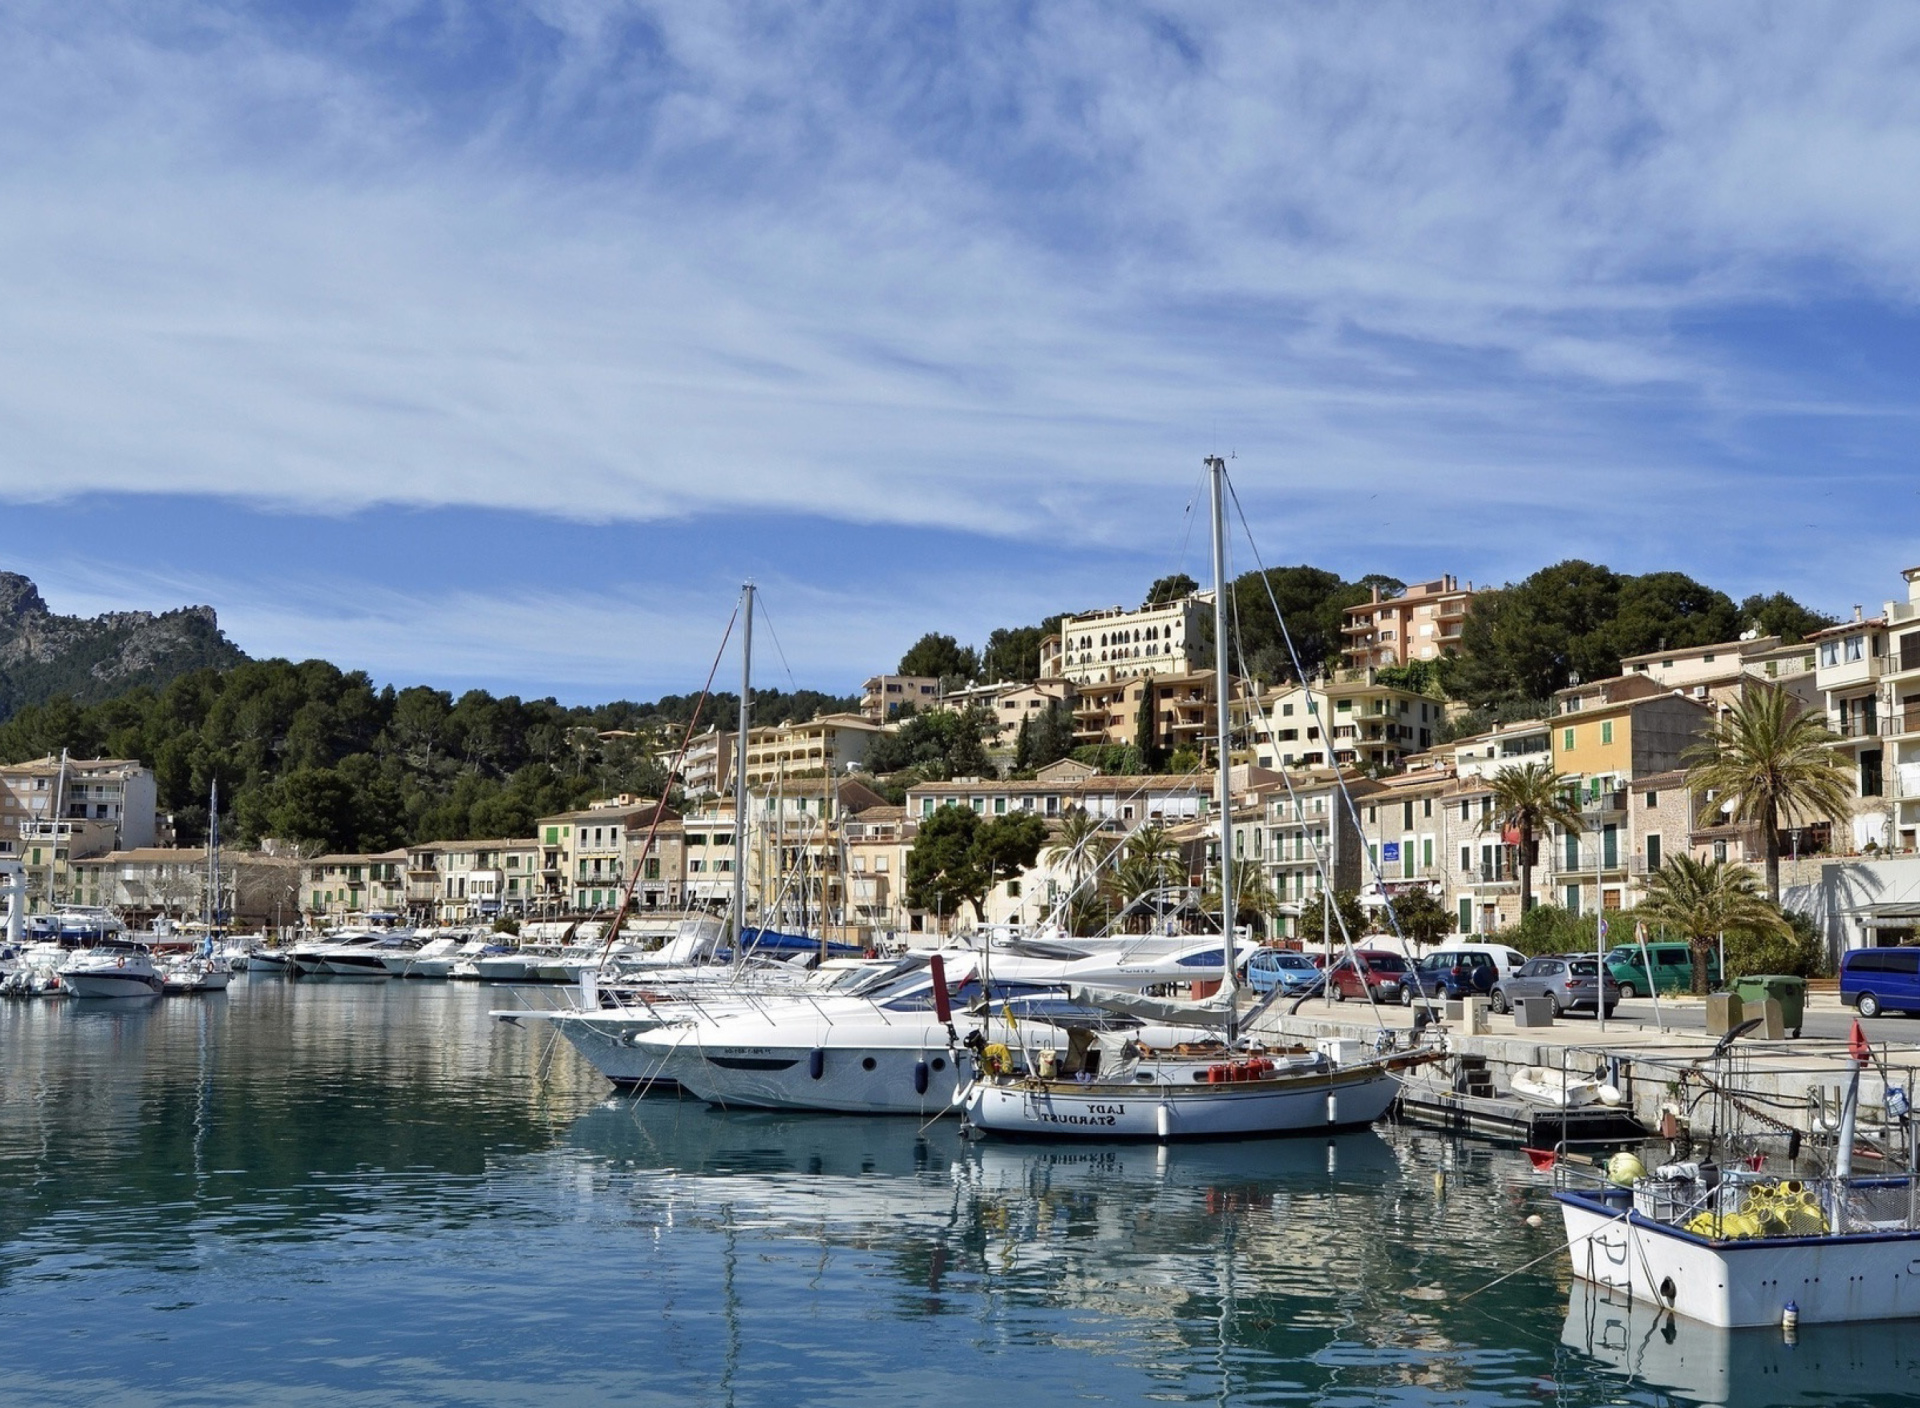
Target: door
[{"x": 1610, "y": 846}]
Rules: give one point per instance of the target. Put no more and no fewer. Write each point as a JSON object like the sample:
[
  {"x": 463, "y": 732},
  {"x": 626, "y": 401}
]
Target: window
[
  {"x": 1653, "y": 852},
  {"x": 1856, "y": 647},
  {"x": 1286, "y": 710},
  {"x": 1013, "y": 889},
  {"x": 1406, "y": 814},
  {"x": 1466, "y": 857},
  {"x": 1653, "y": 799},
  {"x": 999, "y": 806},
  {"x": 1606, "y": 731},
  {"x": 1566, "y": 740},
  {"x": 1426, "y": 807},
  {"x": 1466, "y": 809},
  {"x": 1829, "y": 652}
]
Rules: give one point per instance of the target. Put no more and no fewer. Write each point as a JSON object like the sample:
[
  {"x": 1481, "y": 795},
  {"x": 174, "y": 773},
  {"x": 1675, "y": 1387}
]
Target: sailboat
[
  {"x": 201, "y": 972},
  {"x": 1107, "y": 1089}
]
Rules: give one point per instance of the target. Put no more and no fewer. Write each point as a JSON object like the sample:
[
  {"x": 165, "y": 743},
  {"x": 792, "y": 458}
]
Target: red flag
[
  {"x": 1857, "y": 1046},
  {"x": 942, "y": 1008},
  {"x": 1542, "y": 1159}
]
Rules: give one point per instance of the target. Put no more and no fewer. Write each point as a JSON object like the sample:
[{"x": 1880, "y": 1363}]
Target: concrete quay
[{"x": 1790, "y": 1082}]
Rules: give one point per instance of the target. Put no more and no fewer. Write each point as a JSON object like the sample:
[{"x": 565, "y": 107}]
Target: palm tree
[
  {"x": 1531, "y": 800},
  {"x": 1149, "y": 862},
  {"x": 1768, "y": 757},
  {"x": 1079, "y": 844},
  {"x": 1705, "y": 899},
  {"x": 1256, "y": 897}
]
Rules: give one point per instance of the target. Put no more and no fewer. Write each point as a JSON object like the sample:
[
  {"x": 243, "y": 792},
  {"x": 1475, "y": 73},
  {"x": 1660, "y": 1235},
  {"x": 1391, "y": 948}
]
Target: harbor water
[{"x": 369, "y": 1193}]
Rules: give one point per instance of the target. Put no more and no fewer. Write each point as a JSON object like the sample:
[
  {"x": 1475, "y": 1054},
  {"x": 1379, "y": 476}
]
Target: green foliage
[
  {"x": 1114, "y": 759},
  {"x": 1146, "y": 727},
  {"x": 959, "y": 856},
  {"x": 1044, "y": 738},
  {"x": 1477, "y": 721},
  {"x": 1312, "y": 928},
  {"x": 1170, "y": 589},
  {"x": 940, "y": 657},
  {"x": 1547, "y": 928},
  {"x": 938, "y": 745},
  {"x": 1420, "y": 676},
  {"x": 1531, "y": 800},
  {"x": 309, "y": 753},
  {"x": 1528, "y": 639},
  {"x": 1313, "y": 602},
  {"x": 1422, "y": 919},
  {"x": 1780, "y": 615},
  {"x": 1700, "y": 901},
  {"x": 1184, "y": 759},
  {"x": 1799, "y": 951},
  {"x": 506, "y": 925}
]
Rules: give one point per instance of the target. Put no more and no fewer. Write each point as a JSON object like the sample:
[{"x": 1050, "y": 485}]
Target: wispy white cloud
[{"x": 1002, "y": 268}]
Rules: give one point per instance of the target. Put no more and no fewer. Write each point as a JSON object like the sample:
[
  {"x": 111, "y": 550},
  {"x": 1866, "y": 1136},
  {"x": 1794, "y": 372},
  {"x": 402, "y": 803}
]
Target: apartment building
[
  {"x": 116, "y": 791},
  {"x": 145, "y": 883},
  {"x": 1349, "y": 720},
  {"x": 884, "y": 696},
  {"x": 1724, "y": 672},
  {"x": 827, "y": 746},
  {"x": 1302, "y": 836},
  {"x": 707, "y": 770},
  {"x": 1181, "y": 707},
  {"x": 1123, "y": 801},
  {"x": 458, "y": 882},
  {"x": 586, "y": 857},
  {"x": 1867, "y": 672},
  {"x": 1511, "y": 745},
  {"x": 1423, "y": 622},
  {"x": 1100, "y": 647},
  {"x": 354, "y": 888},
  {"x": 876, "y": 842},
  {"x": 708, "y": 832},
  {"x": 1010, "y": 702}
]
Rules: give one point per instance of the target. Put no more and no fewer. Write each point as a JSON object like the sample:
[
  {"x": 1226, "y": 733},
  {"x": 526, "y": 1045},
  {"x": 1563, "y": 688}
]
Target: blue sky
[{"x": 493, "y": 343}]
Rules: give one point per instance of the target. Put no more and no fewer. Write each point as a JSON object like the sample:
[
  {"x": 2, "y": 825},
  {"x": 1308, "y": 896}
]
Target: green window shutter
[
  {"x": 1606, "y": 731},
  {"x": 1567, "y": 740}
]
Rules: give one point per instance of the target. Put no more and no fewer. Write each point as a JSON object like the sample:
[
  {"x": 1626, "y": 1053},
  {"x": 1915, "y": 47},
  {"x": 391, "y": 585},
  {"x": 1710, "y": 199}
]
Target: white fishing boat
[
  {"x": 1239, "y": 1089},
  {"x": 115, "y": 969},
  {"x": 187, "y": 976},
  {"x": 1734, "y": 1245},
  {"x": 1560, "y": 1090}
]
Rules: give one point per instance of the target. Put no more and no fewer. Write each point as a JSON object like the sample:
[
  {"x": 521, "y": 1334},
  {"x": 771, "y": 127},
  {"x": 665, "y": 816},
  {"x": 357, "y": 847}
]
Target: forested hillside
[{"x": 313, "y": 754}]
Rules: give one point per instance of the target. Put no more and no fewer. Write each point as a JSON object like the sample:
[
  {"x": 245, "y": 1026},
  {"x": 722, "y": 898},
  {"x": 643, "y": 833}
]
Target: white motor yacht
[
  {"x": 433, "y": 959},
  {"x": 111, "y": 970},
  {"x": 195, "y": 975}
]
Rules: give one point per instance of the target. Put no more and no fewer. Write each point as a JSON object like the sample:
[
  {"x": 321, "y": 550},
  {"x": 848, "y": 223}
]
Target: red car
[{"x": 1384, "y": 973}]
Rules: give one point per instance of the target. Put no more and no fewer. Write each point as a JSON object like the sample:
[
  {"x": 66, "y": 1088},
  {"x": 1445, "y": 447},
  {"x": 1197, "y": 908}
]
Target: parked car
[
  {"x": 1451, "y": 972},
  {"x": 1282, "y": 968},
  {"x": 1507, "y": 960},
  {"x": 1568, "y": 983},
  {"x": 1384, "y": 973},
  {"x": 1672, "y": 969},
  {"x": 1877, "y": 980}
]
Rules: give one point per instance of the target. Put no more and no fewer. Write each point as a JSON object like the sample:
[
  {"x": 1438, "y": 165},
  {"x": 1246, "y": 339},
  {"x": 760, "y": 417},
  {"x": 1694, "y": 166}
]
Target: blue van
[{"x": 1877, "y": 980}]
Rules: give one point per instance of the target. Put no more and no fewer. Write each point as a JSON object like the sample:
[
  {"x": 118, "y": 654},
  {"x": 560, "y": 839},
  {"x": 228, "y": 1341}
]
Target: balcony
[
  {"x": 1869, "y": 726},
  {"x": 1498, "y": 874},
  {"x": 1605, "y": 802},
  {"x": 1588, "y": 860}
]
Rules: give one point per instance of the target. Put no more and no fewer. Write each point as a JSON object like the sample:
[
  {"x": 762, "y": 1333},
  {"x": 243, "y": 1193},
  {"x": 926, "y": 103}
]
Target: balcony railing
[
  {"x": 1614, "y": 801},
  {"x": 1868, "y": 726},
  {"x": 1587, "y": 861}
]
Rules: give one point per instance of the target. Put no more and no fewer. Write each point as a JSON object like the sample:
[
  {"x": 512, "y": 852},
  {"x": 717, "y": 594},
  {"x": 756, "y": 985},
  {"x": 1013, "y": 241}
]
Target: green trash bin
[{"x": 1790, "y": 992}]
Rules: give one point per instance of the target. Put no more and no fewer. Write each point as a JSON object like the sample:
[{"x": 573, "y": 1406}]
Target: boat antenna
[{"x": 1217, "y": 469}]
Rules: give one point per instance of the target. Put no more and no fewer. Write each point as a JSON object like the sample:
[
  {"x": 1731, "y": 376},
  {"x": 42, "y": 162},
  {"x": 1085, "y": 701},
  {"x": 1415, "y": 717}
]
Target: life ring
[
  {"x": 120, "y": 963},
  {"x": 996, "y": 1059}
]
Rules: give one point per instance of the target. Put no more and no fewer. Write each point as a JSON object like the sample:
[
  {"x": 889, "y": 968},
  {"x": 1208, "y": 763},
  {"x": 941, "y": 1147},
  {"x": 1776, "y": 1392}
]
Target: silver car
[{"x": 1569, "y": 984}]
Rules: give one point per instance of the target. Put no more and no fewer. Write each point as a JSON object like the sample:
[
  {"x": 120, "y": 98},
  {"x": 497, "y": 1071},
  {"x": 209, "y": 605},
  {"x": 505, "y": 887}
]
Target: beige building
[
  {"x": 1722, "y": 673},
  {"x": 1100, "y": 647},
  {"x": 884, "y": 696},
  {"x": 876, "y": 842},
  {"x": 354, "y": 889},
  {"x": 1421, "y": 623},
  {"x": 463, "y": 882},
  {"x": 587, "y": 857},
  {"x": 829, "y": 745},
  {"x": 257, "y": 891},
  {"x": 707, "y": 770},
  {"x": 57, "y": 812},
  {"x": 1303, "y": 836},
  {"x": 1349, "y": 720},
  {"x": 1182, "y": 708}
]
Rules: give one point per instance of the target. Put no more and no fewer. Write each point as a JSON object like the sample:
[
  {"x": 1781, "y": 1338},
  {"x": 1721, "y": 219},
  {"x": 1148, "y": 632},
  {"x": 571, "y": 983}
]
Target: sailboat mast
[
  {"x": 213, "y": 859},
  {"x": 740, "y": 779},
  {"x": 1217, "y": 473}
]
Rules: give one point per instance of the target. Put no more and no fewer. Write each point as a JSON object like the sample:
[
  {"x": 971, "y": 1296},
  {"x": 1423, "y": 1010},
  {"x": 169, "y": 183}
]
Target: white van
[{"x": 1507, "y": 960}]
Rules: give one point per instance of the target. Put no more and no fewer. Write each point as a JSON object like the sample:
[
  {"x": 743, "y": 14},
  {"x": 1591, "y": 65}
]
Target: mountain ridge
[{"x": 91, "y": 658}]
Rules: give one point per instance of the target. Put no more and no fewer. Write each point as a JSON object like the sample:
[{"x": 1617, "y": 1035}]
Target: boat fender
[
  {"x": 919, "y": 1077},
  {"x": 816, "y": 1063}
]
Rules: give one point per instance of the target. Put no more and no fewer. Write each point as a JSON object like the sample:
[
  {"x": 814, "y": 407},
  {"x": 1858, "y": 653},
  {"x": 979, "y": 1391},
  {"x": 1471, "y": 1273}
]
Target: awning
[{"x": 1893, "y": 915}]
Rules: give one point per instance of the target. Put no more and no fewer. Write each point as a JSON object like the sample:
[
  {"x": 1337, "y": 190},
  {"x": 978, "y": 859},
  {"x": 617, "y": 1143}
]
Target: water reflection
[{"x": 367, "y": 1193}]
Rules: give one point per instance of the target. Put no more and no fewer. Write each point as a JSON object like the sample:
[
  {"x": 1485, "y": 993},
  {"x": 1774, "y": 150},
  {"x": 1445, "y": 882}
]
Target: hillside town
[{"x": 1342, "y": 783}]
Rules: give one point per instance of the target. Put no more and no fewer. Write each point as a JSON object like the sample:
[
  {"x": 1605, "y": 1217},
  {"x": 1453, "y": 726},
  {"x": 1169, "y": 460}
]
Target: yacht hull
[
  {"x": 1169, "y": 1109},
  {"x": 114, "y": 983},
  {"x": 1746, "y": 1283}
]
